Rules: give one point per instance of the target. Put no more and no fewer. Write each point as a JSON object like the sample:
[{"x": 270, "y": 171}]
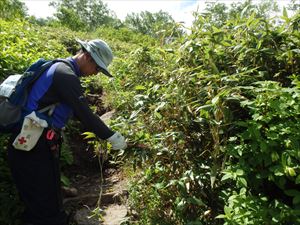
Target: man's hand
[{"x": 117, "y": 141}]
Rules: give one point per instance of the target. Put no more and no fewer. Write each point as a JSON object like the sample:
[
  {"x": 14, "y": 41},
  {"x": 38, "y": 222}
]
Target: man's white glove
[{"x": 117, "y": 141}]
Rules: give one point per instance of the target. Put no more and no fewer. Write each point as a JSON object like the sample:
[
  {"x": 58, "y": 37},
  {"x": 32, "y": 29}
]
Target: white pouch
[{"x": 31, "y": 131}]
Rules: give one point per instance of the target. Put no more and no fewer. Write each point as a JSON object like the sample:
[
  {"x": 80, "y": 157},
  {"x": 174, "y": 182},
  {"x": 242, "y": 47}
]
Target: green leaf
[
  {"x": 285, "y": 14},
  {"x": 140, "y": 87},
  {"x": 215, "y": 100},
  {"x": 292, "y": 192},
  {"x": 274, "y": 156},
  {"x": 159, "y": 185},
  {"x": 158, "y": 115},
  {"x": 196, "y": 201},
  {"x": 213, "y": 175},
  {"x": 226, "y": 176},
  {"x": 239, "y": 172},
  {"x": 296, "y": 50},
  {"x": 242, "y": 181},
  {"x": 134, "y": 114},
  {"x": 89, "y": 135},
  {"x": 181, "y": 204},
  {"x": 227, "y": 211},
  {"x": 297, "y": 181},
  {"x": 160, "y": 106},
  {"x": 243, "y": 191},
  {"x": 121, "y": 152},
  {"x": 65, "y": 180},
  {"x": 221, "y": 216},
  {"x": 290, "y": 171},
  {"x": 296, "y": 200}
]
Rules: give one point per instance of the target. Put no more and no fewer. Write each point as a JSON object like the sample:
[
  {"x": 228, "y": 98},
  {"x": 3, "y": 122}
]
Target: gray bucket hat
[{"x": 100, "y": 52}]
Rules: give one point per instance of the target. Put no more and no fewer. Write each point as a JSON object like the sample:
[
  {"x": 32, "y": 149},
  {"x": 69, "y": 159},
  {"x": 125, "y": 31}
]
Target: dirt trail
[
  {"x": 113, "y": 207},
  {"x": 86, "y": 178}
]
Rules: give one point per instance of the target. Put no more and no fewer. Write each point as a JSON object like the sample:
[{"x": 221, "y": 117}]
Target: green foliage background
[
  {"x": 212, "y": 117},
  {"x": 218, "y": 112}
]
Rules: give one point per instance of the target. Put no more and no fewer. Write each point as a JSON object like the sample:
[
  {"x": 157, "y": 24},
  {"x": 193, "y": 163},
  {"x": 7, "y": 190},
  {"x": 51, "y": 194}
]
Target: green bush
[
  {"x": 265, "y": 157},
  {"x": 215, "y": 115},
  {"x": 22, "y": 44}
]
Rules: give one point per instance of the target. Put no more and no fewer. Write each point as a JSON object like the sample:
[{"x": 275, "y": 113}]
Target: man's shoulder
[{"x": 64, "y": 68}]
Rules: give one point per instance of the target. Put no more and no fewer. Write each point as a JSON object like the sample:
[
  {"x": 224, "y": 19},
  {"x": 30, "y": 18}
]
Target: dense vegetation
[{"x": 214, "y": 113}]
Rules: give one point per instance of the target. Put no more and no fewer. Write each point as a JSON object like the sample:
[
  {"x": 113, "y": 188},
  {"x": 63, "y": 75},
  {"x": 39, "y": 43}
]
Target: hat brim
[{"x": 99, "y": 62}]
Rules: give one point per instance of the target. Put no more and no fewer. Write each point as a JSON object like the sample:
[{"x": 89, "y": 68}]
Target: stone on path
[{"x": 114, "y": 214}]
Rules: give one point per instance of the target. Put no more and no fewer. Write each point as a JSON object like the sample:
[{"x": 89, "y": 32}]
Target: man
[{"x": 36, "y": 172}]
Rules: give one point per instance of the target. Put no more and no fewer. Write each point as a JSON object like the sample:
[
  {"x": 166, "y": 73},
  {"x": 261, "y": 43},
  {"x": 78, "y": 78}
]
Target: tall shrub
[{"x": 219, "y": 119}]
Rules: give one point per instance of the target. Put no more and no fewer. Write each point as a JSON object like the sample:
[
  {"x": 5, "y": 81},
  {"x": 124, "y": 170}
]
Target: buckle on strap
[
  {"x": 50, "y": 134},
  {"x": 49, "y": 108}
]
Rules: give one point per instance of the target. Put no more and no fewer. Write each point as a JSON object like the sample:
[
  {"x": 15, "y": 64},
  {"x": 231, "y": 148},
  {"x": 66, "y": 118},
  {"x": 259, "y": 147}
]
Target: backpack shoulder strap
[
  {"x": 48, "y": 64},
  {"x": 64, "y": 61},
  {"x": 50, "y": 108}
]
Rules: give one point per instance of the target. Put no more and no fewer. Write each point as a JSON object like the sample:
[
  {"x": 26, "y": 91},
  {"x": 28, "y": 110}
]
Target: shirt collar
[{"x": 74, "y": 63}]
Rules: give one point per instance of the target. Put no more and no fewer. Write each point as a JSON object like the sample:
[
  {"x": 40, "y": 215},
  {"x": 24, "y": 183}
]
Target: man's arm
[{"x": 70, "y": 92}]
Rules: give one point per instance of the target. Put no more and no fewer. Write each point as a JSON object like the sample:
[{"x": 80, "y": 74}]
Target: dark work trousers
[{"x": 37, "y": 177}]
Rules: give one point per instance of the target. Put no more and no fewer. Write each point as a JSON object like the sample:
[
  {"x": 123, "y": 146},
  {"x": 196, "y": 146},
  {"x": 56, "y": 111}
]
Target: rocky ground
[{"x": 85, "y": 204}]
